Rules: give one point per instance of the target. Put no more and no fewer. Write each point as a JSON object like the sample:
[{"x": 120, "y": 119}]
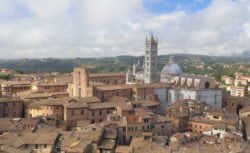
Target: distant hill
[
  {"x": 110, "y": 64},
  {"x": 246, "y": 54}
]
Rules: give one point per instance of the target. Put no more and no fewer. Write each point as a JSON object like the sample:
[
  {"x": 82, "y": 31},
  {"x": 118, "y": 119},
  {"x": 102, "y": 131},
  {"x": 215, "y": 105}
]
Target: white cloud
[
  {"x": 47, "y": 9},
  {"x": 6, "y": 8},
  {"x": 84, "y": 28}
]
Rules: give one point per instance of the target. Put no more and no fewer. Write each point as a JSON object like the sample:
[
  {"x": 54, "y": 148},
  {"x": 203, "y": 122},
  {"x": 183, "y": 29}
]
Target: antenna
[{"x": 151, "y": 31}]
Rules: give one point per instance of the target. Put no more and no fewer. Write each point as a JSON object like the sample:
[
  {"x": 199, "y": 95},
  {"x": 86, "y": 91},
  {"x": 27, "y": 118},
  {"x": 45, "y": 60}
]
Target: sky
[{"x": 101, "y": 28}]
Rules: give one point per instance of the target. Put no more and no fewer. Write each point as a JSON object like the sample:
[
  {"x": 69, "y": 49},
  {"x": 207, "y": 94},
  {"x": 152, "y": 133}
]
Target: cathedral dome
[{"x": 172, "y": 68}]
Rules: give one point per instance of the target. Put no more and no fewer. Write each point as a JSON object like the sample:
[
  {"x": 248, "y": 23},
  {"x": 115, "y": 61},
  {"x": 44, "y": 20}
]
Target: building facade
[
  {"x": 83, "y": 81},
  {"x": 11, "y": 88},
  {"x": 212, "y": 97},
  {"x": 11, "y": 107}
]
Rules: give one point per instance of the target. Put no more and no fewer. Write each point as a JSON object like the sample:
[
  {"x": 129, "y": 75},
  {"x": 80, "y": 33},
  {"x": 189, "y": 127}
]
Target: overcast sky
[{"x": 97, "y": 28}]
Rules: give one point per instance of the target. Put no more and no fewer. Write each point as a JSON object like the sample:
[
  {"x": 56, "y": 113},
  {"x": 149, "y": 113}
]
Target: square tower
[
  {"x": 79, "y": 87},
  {"x": 151, "y": 53}
]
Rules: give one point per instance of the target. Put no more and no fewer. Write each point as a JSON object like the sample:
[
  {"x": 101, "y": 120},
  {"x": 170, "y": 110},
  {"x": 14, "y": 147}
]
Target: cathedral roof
[
  {"x": 151, "y": 38},
  {"x": 172, "y": 68}
]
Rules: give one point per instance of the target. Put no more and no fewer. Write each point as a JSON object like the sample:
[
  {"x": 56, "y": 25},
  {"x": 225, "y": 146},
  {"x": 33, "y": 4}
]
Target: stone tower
[
  {"x": 150, "y": 68},
  {"x": 79, "y": 87}
]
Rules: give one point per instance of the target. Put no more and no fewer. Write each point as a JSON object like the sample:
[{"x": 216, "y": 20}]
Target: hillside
[{"x": 212, "y": 65}]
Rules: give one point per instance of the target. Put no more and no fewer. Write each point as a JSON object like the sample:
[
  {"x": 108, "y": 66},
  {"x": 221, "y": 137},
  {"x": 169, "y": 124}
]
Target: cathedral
[
  {"x": 180, "y": 85},
  {"x": 173, "y": 74},
  {"x": 145, "y": 72}
]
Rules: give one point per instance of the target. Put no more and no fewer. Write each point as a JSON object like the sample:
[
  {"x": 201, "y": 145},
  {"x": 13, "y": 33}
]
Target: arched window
[
  {"x": 207, "y": 85},
  {"x": 79, "y": 78}
]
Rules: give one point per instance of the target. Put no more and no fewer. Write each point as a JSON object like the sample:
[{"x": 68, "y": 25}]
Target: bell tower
[{"x": 151, "y": 53}]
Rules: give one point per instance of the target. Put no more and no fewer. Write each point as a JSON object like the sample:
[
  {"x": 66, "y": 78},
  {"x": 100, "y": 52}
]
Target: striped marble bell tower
[{"x": 151, "y": 53}]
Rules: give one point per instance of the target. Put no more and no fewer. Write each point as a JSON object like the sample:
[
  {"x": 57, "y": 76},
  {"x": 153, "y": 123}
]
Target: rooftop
[
  {"x": 9, "y": 83},
  {"x": 81, "y": 102},
  {"x": 142, "y": 113},
  {"x": 53, "y": 102},
  {"x": 16, "y": 124},
  {"x": 76, "y": 105},
  {"x": 35, "y": 95},
  {"x": 107, "y": 74},
  {"x": 130, "y": 86},
  {"x": 104, "y": 105},
  {"x": 21, "y": 138},
  {"x": 9, "y": 99},
  {"x": 76, "y": 141},
  {"x": 86, "y": 99},
  {"x": 114, "y": 87},
  {"x": 139, "y": 145},
  {"x": 117, "y": 98}
]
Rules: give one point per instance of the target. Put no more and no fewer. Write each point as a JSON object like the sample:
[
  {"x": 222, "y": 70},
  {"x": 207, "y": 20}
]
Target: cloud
[
  {"x": 95, "y": 28},
  {"x": 216, "y": 30}
]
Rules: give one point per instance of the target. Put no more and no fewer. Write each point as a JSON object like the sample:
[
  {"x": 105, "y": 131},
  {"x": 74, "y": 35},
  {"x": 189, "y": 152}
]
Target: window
[
  {"x": 82, "y": 112},
  {"x": 100, "y": 112},
  {"x": 72, "y": 112},
  {"x": 92, "y": 121},
  {"x": 207, "y": 85},
  {"x": 45, "y": 146},
  {"x": 80, "y": 92},
  {"x": 148, "y": 126},
  {"x": 79, "y": 78},
  {"x": 216, "y": 117},
  {"x": 100, "y": 120}
]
